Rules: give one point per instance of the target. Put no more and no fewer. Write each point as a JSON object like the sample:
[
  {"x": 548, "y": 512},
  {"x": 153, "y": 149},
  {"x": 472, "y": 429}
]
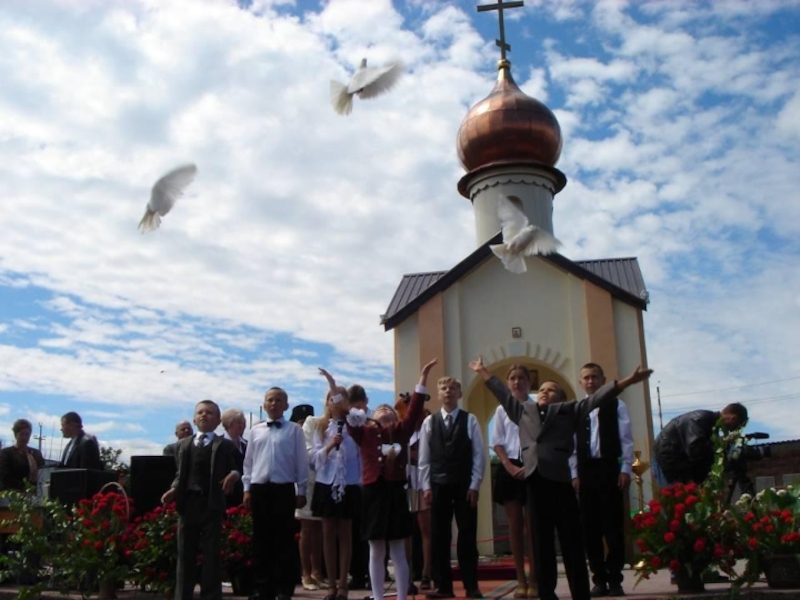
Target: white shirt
[
  {"x": 625, "y": 439},
  {"x": 325, "y": 463},
  {"x": 208, "y": 439},
  {"x": 506, "y": 433},
  {"x": 478, "y": 455},
  {"x": 276, "y": 455}
]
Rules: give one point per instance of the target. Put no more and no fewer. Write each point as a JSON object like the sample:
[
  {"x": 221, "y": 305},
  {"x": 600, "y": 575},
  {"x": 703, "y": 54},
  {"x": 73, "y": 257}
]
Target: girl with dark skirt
[
  {"x": 386, "y": 519},
  {"x": 509, "y": 485},
  {"x": 337, "y": 491}
]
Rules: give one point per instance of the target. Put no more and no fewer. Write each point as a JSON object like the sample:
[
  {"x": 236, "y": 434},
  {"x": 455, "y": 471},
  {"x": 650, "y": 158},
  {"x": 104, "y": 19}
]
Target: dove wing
[
  {"x": 512, "y": 219},
  {"x": 171, "y": 187},
  {"x": 376, "y": 81},
  {"x": 543, "y": 243}
]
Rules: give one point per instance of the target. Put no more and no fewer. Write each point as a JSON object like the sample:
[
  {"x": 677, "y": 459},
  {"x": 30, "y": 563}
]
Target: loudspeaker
[
  {"x": 151, "y": 476},
  {"x": 70, "y": 486}
]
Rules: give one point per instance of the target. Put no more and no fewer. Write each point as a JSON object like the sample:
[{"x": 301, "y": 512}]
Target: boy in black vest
[
  {"x": 206, "y": 473},
  {"x": 604, "y": 448},
  {"x": 451, "y": 465}
]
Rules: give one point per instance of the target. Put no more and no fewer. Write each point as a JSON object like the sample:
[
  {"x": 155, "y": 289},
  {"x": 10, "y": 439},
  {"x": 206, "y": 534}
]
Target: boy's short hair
[
  {"x": 558, "y": 385},
  {"x": 595, "y": 367},
  {"x": 357, "y": 393},
  {"x": 210, "y": 403},
  {"x": 443, "y": 381},
  {"x": 739, "y": 411},
  {"x": 280, "y": 391}
]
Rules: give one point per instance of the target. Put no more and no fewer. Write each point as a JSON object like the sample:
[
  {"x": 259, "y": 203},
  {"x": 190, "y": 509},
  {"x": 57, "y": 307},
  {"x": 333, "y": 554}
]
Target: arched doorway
[{"x": 478, "y": 400}]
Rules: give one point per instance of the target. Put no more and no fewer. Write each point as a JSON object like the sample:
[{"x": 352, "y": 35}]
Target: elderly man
[{"x": 182, "y": 430}]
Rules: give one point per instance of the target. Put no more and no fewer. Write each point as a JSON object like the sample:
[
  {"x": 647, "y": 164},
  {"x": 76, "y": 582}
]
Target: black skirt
[
  {"x": 323, "y": 505},
  {"x": 506, "y": 487},
  {"x": 385, "y": 514}
]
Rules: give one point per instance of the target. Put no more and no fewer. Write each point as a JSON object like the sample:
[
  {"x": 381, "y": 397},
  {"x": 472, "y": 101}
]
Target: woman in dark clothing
[{"x": 20, "y": 464}]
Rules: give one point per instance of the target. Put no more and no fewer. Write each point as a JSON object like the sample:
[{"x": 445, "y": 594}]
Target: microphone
[{"x": 339, "y": 429}]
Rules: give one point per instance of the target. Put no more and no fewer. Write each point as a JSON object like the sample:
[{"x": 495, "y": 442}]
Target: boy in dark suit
[
  {"x": 546, "y": 432},
  {"x": 206, "y": 473},
  {"x": 604, "y": 453}
]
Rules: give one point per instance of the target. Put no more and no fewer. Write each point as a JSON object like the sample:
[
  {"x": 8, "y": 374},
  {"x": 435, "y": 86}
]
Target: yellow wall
[{"x": 565, "y": 322}]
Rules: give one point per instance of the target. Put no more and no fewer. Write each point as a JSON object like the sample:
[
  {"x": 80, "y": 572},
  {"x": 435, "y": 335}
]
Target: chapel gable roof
[{"x": 621, "y": 277}]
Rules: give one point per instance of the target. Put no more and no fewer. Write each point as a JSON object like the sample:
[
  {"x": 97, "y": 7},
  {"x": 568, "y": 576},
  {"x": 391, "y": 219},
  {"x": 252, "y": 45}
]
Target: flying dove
[
  {"x": 165, "y": 192},
  {"x": 367, "y": 82},
  {"x": 520, "y": 238}
]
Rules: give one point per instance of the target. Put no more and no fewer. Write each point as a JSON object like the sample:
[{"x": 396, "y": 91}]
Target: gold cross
[{"x": 500, "y": 7}]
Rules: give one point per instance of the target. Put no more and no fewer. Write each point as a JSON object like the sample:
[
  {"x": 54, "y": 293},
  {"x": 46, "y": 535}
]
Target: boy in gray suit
[{"x": 546, "y": 431}]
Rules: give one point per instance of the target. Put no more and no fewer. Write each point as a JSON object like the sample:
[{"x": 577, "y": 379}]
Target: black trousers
[
  {"x": 451, "y": 500},
  {"x": 275, "y": 552},
  {"x": 602, "y": 516},
  {"x": 553, "y": 506},
  {"x": 199, "y": 532}
]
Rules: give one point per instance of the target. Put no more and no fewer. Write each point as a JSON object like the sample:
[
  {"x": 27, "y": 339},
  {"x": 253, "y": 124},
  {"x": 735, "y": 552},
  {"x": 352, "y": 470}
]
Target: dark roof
[
  {"x": 619, "y": 276},
  {"x": 622, "y": 272}
]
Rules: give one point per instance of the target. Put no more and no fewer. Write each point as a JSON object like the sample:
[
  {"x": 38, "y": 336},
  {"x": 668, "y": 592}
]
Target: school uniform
[
  {"x": 384, "y": 454},
  {"x": 452, "y": 462},
  {"x": 604, "y": 449},
  {"x": 204, "y": 460},
  {"x": 547, "y": 438},
  {"x": 337, "y": 489},
  {"x": 505, "y": 433},
  {"x": 275, "y": 473}
]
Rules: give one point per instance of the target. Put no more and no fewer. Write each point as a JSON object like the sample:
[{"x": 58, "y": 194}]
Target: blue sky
[{"x": 681, "y": 123}]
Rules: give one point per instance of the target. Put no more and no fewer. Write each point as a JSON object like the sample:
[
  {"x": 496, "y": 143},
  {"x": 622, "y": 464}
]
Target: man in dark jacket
[
  {"x": 82, "y": 451},
  {"x": 684, "y": 450}
]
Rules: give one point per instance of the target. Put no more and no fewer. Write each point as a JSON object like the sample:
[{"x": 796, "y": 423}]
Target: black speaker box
[
  {"x": 151, "y": 476},
  {"x": 70, "y": 486}
]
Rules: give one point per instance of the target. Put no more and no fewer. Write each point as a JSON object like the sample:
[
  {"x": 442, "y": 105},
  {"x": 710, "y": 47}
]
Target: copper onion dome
[{"x": 508, "y": 127}]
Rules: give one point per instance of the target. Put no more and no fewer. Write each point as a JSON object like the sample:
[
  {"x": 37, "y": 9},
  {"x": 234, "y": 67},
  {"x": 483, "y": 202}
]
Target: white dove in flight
[
  {"x": 165, "y": 192},
  {"x": 520, "y": 238},
  {"x": 367, "y": 82}
]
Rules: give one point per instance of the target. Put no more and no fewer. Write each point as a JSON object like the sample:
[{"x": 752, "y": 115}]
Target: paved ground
[{"x": 657, "y": 587}]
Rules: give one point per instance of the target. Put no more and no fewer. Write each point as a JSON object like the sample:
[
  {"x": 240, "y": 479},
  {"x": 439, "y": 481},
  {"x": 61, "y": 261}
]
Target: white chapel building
[{"x": 553, "y": 318}]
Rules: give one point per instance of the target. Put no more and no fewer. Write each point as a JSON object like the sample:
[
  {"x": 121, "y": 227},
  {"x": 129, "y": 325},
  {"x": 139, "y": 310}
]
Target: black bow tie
[{"x": 274, "y": 424}]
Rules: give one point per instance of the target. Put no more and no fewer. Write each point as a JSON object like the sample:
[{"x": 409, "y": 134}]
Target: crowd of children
[{"x": 383, "y": 470}]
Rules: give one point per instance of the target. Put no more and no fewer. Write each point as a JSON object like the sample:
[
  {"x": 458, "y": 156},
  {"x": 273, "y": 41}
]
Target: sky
[{"x": 681, "y": 128}]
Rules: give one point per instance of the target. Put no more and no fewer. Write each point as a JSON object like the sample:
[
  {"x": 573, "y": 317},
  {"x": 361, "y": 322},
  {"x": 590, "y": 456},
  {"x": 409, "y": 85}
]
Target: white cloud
[{"x": 678, "y": 147}]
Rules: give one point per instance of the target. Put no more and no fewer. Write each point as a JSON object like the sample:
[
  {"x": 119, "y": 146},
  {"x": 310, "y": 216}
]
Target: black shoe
[
  {"x": 440, "y": 593},
  {"x": 412, "y": 589},
  {"x": 599, "y": 591},
  {"x": 476, "y": 593},
  {"x": 615, "y": 590}
]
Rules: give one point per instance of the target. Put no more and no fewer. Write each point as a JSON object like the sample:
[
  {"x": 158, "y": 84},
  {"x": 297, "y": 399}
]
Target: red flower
[
  {"x": 674, "y": 525},
  {"x": 749, "y": 517},
  {"x": 691, "y": 501},
  {"x": 655, "y": 562},
  {"x": 752, "y": 542},
  {"x": 641, "y": 544},
  {"x": 674, "y": 565},
  {"x": 98, "y": 545},
  {"x": 700, "y": 545},
  {"x": 669, "y": 537}
]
